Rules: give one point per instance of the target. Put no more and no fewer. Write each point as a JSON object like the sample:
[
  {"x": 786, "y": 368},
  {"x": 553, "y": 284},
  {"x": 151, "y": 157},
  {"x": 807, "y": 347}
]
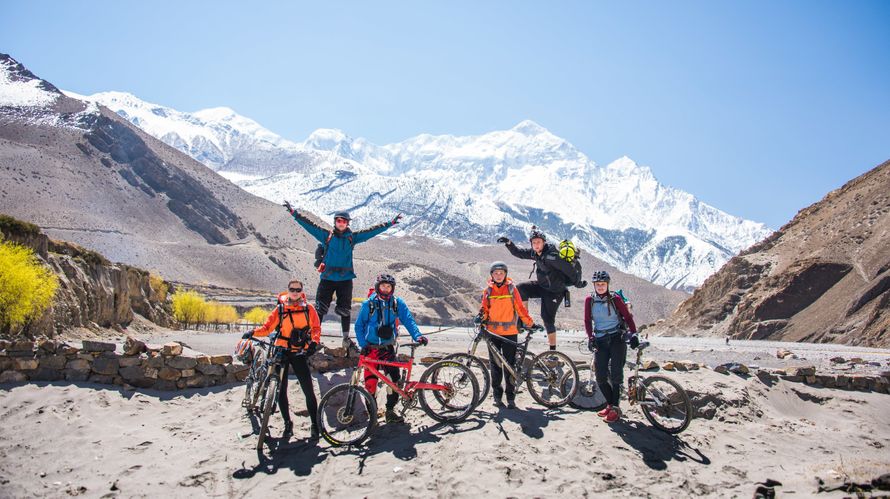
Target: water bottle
[{"x": 567, "y": 300}]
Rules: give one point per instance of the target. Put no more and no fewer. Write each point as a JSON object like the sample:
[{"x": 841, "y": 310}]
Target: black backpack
[{"x": 571, "y": 255}]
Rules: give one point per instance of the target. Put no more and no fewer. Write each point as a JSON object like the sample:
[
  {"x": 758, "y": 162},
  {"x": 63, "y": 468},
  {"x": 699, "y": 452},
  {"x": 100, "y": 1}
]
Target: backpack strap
[{"x": 510, "y": 289}]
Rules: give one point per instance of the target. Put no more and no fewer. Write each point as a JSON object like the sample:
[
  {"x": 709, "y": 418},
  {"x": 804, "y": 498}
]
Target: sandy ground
[{"x": 62, "y": 439}]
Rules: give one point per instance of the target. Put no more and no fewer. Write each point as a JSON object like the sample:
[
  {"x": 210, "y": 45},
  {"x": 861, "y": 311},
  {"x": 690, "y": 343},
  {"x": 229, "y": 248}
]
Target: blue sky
[{"x": 758, "y": 108}]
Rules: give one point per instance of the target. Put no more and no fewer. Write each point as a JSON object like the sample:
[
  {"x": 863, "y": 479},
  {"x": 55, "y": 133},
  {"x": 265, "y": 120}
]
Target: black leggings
[
  {"x": 509, "y": 351},
  {"x": 549, "y": 302},
  {"x": 300, "y": 366},
  {"x": 325, "y": 294},
  {"x": 611, "y": 354}
]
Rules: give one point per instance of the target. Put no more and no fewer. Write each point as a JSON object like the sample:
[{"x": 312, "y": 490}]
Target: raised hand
[
  {"x": 397, "y": 219},
  {"x": 287, "y": 205},
  {"x": 503, "y": 240}
]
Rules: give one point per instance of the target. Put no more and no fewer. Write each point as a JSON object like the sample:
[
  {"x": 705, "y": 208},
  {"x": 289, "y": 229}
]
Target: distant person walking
[{"x": 334, "y": 262}]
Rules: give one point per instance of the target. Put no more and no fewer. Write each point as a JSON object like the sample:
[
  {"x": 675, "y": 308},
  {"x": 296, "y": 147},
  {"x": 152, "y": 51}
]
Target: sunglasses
[
  {"x": 341, "y": 220},
  {"x": 295, "y": 290}
]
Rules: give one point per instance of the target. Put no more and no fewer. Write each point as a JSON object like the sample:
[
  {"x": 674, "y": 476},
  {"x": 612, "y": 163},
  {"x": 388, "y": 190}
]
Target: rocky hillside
[
  {"x": 93, "y": 292},
  {"x": 823, "y": 277}
]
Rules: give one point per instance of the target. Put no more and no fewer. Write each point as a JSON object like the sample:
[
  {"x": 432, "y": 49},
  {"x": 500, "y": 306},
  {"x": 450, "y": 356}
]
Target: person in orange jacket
[
  {"x": 300, "y": 333},
  {"x": 502, "y": 308}
]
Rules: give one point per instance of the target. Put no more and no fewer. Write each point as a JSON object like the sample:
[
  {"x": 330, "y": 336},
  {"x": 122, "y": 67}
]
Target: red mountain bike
[{"x": 446, "y": 392}]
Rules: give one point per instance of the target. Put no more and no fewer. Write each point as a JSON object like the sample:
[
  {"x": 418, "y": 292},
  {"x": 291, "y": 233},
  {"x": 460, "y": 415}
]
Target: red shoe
[
  {"x": 605, "y": 412},
  {"x": 613, "y": 416}
]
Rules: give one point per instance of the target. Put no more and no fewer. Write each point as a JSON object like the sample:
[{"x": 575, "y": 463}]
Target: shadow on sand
[{"x": 656, "y": 446}]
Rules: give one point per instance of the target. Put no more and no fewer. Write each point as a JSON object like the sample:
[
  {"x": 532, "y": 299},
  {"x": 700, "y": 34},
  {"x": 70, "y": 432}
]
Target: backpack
[
  {"x": 620, "y": 293},
  {"x": 322, "y": 248},
  {"x": 302, "y": 334},
  {"x": 572, "y": 255}
]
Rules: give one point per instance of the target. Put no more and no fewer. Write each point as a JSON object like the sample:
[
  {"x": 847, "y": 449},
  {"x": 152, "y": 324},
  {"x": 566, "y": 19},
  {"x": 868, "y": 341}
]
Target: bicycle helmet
[
  {"x": 497, "y": 266},
  {"x": 601, "y": 276},
  {"x": 342, "y": 214},
  {"x": 384, "y": 278},
  {"x": 243, "y": 351},
  {"x": 537, "y": 233}
]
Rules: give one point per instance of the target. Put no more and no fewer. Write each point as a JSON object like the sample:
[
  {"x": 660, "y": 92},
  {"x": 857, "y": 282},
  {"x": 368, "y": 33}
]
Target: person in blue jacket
[
  {"x": 376, "y": 330},
  {"x": 334, "y": 262}
]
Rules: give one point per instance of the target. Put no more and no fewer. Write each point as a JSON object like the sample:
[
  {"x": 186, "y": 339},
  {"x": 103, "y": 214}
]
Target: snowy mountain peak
[
  {"x": 21, "y": 88},
  {"x": 327, "y": 139},
  {"x": 529, "y": 128}
]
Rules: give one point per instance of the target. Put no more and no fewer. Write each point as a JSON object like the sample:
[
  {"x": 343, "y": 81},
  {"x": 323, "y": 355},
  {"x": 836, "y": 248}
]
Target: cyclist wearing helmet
[
  {"x": 501, "y": 308},
  {"x": 608, "y": 324},
  {"x": 299, "y": 331},
  {"x": 552, "y": 274},
  {"x": 334, "y": 256},
  {"x": 376, "y": 332}
]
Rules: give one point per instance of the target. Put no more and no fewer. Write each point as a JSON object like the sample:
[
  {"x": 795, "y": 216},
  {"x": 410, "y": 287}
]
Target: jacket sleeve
[
  {"x": 483, "y": 308},
  {"x": 523, "y": 253},
  {"x": 314, "y": 325},
  {"x": 315, "y": 231},
  {"x": 520, "y": 308},
  {"x": 628, "y": 317},
  {"x": 407, "y": 320},
  {"x": 365, "y": 234},
  {"x": 361, "y": 325},
  {"x": 588, "y": 323},
  {"x": 270, "y": 325}
]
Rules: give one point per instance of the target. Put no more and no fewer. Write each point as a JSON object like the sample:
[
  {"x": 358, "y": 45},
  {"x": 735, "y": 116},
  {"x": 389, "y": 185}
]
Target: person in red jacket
[
  {"x": 609, "y": 324},
  {"x": 300, "y": 334},
  {"x": 501, "y": 308}
]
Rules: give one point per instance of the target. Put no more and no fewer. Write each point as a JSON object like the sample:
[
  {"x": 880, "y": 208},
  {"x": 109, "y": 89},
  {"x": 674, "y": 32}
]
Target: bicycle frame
[
  {"x": 487, "y": 336},
  {"x": 411, "y": 387}
]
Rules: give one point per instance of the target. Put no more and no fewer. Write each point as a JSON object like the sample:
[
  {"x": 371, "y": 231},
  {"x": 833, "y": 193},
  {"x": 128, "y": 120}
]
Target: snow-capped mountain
[{"x": 472, "y": 187}]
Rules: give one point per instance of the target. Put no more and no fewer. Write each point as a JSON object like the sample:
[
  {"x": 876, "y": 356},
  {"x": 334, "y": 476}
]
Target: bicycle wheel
[
  {"x": 270, "y": 397},
  {"x": 458, "y": 400},
  {"x": 589, "y": 397},
  {"x": 346, "y": 415},
  {"x": 549, "y": 372},
  {"x": 254, "y": 380},
  {"x": 477, "y": 367},
  {"x": 665, "y": 404}
]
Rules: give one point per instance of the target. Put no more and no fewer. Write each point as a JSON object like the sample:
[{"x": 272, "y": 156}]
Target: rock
[
  {"x": 188, "y": 373},
  {"x": 98, "y": 346},
  {"x": 25, "y": 364},
  {"x": 85, "y": 356},
  {"x": 212, "y": 370},
  {"x": 689, "y": 365},
  {"x": 722, "y": 369},
  {"x": 47, "y": 345},
  {"x": 668, "y": 366},
  {"x": 134, "y": 346},
  {"x": 78, "y": 365},
  {"x": 130, "y": 361},
  {"x": 12, "y": 377},
  {"x": 826, "y": 380},
  {"x": 5, "y": 364},
  {"x": 66, "y": 349},
  {"x": 155, "y": 362},
  {"x": 21, "y": 346},
  {"x": 203, "y": 359},
  {"x": 837, "y": 360},
  {"x": 182, "y": 362},
  {"x": 336, "y": 352},
  {"x": 221, "y": 359},
  {"x": 165, "y": 385},
  {"x": 198, "y": 380},
  {"x": 134, "y": 374},
  {"x": 810, "y": 380},
  {"x": 77, "y": 374},
  {"x": 793, "y": 379},
  {"x": 236, "y": 367},
  {"x": 430, "y": 360},
  {"x": 4, "y": 344},
  {"x": 241, "y": 375},
  {"x": 842, "y": 381},
  {"x": 783, "y": 353},
  {"x": 649, "y": 365},
  {"x": 53, "y": 362},
  {"x": 105, "y": 365},
  {"x": 169, "y": 374},
  {"x": 737, "y": 368},
  {"x": 44, "y": 374},
  {"x": 172, "y": 349},
  {"x": 857, "y": 360},
  {"x": 800, "y": 371}
]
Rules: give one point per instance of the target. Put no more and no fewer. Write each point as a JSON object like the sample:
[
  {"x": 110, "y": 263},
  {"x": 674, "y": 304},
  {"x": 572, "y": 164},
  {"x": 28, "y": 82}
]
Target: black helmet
[
  {"x": 497, "y": 266},
  {"x": 342, "y": 214},
  {"x": 537, "y": 233},
  {"x": 601, "y": 276},
  {"x": 384, "y": 278}
]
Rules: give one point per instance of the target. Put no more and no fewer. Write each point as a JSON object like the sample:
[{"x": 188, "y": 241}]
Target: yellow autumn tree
[
  {"x": 217, "y": 314},
  {"x": 27, "y": 286},
  {"x": 189, "y": 307},
  {"x": 256, "y": 315}
]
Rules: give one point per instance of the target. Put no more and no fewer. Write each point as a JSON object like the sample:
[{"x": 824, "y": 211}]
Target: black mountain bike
[
  {"x": 273, "y": 372},
  {"x": 546, "y": 376}
]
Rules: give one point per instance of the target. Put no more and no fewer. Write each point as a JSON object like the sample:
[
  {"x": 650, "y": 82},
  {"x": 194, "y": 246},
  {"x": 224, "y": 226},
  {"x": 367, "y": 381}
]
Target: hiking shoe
[
  {"x": 392, "y": 417},
  {"x": 288, "y": 429},
  {"x": 613, "y": 416},
  {"x": 498, "y": 402},
  {"x": 605, "y": 412},
  {"x": 313, "y": 433},
  {"x": 511, "y": 403}
]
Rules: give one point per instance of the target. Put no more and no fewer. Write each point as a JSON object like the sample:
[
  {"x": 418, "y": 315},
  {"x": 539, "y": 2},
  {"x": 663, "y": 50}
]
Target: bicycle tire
[
  {"x": 449, "y": 411},
  {"x": 331, "y": 410},
  {"x": 256, "y": 378},
  {"x": 588, "y": 396},
  {"x": 683, "y": 404},
  {"x": 543, "y": 380},
  {"x": 477, "y": 367},
  {"x": 270, "y": 396}
]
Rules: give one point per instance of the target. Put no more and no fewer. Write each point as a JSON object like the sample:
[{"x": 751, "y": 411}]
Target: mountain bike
[
  {"x": 446, "y": 392},
  {"x": 273, "y": 372},
  {"x": 255, "y": 374},
  {"x": 545, "y": 376},
  {"x": 663, "y": 401}
]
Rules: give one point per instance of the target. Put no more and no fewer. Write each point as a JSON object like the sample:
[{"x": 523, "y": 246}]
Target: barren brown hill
[
  {"x": 84, "y": 174},
  {"x": 823, "y": 277}
]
